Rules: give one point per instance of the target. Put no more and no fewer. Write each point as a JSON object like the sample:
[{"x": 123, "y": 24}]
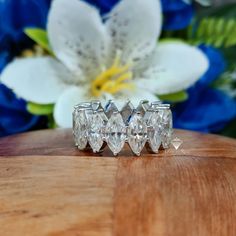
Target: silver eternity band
[{"x": 150, "y": 125}]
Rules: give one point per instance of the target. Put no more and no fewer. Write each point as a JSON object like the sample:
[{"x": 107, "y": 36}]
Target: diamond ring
[{"x": 149, "y": 124}]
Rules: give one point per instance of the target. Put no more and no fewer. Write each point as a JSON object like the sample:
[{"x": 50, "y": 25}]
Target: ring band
[{"x": 150, "y": 125}]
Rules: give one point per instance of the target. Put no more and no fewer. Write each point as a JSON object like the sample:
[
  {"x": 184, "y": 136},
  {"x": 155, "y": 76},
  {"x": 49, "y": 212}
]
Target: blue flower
[
  {"x": 4, "y": 58},
  {"x": 14, "y": 17},
  {"x": 13, "y": 115},
  {"x": 104, "y": 6},
  {"x": 207, "y": 109},
  {"x": 217, "y": 64},
  {"x": 177, "y": 14}
]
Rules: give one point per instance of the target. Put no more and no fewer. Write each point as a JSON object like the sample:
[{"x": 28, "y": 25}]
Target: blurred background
[
  {"x": 221, "y": 2},
  {"x": 209, "y": 106}
]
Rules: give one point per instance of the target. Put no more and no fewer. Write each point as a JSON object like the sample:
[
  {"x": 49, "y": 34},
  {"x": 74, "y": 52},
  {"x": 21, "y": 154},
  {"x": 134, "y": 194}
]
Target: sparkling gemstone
[
  {"x": 95, "y": 131},
  {"x": 154, "y": 131},
  {"x": 80, "y": 129},
  {"x": 103, "y": 116},
  {"x": 84, "y": 105},
  {"x": 147, "y": 115},
  {"x": 127, "y": 111},
  {"x": 176, "y": 142},
  {"x": 115, "y": 133},
  {"x": 110, "y": 108},
  {"x": 155, "y": 105},
  {"x": 137, "y": 133},
  {"x": 166, "y": 126},
  {"x": 96, "y": 105},
  {"x": 143, "y": 107}
]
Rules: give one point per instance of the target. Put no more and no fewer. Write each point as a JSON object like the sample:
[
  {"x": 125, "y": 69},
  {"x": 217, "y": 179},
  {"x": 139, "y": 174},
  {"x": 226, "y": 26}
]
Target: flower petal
[
  {"x": 64, "y": 106},
  {"x": 173, "y": 67},
  {"x": 177, "y": 14},
  {"x": 14, "y": 117},
  {"x": 135, "y": 27},
  {"x": 217, "y": 64},
  {"x": 38, "y": 80},
  {"x": 137, "y": 95},
  {"x": 77, "y": 35},
  {"x": 206, "y": 110}
]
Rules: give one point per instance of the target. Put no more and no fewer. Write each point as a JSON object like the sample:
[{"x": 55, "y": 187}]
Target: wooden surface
[{"x": 47, "y": 187}]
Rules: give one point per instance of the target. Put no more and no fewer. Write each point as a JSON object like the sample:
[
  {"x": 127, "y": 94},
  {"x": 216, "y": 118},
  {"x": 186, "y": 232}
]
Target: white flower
[{"x": 116, "y": 60}]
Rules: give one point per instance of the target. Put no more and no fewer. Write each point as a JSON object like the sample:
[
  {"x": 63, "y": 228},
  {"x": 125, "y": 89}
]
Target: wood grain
[{"x": 47, "y": 187}]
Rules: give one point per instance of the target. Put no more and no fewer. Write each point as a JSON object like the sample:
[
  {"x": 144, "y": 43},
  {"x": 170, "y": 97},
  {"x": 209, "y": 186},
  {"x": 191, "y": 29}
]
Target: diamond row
[{"x": 149, "y": 123}]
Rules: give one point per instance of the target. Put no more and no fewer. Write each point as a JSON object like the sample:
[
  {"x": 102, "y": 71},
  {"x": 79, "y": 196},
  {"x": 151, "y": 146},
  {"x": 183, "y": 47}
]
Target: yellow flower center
[
  {"x": 34, "y": 52},
  {"x": 114, "y": 79}
]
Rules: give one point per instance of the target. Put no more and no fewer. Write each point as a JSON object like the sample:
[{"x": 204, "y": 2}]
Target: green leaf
[
  {"x": 230, "y": 55},
  {"x": 38, "y": 109},
  {"x": 175, "y": 97},
  {"x": 227, "y": 11},
  {"x": 230, "y": 129},
  {"x": 51, "y": 122},
  {"x": 40, "y": 37},
  {"x": 171, "y": 40},
  {"x": 224, "y": 80},
  {"x": 218, "y": 32}
]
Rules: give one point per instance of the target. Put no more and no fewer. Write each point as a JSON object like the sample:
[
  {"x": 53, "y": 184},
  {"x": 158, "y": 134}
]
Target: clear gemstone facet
[
  {"x": 127, "y": 111},
  {"x": 95, "y": 134},
  {"x": 137, "y": 133},
  {"x": 176, "y": 142},
  {"x": 110, "y": 108},
  {"x": 96, "y": 105},
  {"x": 155, "y": 105},
  {"x": 147, "y": 115},
  {"x": 80, "y": 129},
  {"x": 115, "y": 133},
  {"x": 154, "y": 131},
  {"x": 103, "y": 116},
  {"x": 166, "y": 126},
  {"x": 143, "y": 107}
]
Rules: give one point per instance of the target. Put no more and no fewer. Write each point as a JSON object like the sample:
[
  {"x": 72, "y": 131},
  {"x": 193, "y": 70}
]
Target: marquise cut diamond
[
  {"x": 166, "y": 127},
  {"x": 115, "y": 133},
  {"x": 154, "y": 132},
  {"x": 137, "y": 133},
  {"x": 110, "y": 108},
  {"x": 95, "y": 134},
  {"x": 143, "y": 107},
  {"x": 127, "y": 111},
  {"x": 80, "y": 129}
]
